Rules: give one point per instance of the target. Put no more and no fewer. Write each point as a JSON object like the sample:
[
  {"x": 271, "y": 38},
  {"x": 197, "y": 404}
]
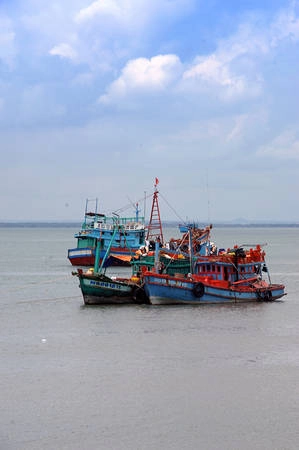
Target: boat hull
[
  {"x": 81, "y": 257},
  {"x": 102, "y": 290},
  {"x": 166, "y": 291},
  {"x": 86, "y": 257}
]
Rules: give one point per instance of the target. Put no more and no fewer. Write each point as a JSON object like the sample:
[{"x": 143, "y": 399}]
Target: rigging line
[
  {"x": 178, "y": 250},
  {"x": 208, "y": 195},
  {"x": 173, "y": 210},
  {"x": 130, "y": 204},
  {"x": 253, "y": 245},
  {"x": 121, "y": 229}
]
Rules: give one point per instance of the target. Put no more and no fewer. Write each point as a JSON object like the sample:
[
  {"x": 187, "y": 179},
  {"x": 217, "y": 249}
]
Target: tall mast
[{"x": 154, "y": 229}]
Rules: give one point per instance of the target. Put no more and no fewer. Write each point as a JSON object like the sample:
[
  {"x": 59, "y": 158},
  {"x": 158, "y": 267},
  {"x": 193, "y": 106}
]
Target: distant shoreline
[{"x": 166, "y": 224}]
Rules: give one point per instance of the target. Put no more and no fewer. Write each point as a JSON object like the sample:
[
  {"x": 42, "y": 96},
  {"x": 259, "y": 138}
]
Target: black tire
[
  {"x": 198, "y": 290},
  {"x": 259, "y": 296},
  {"x": 268, "y": 296},
  {"x": 139, "y": 295},
  {"x": 265, "y": 296}
]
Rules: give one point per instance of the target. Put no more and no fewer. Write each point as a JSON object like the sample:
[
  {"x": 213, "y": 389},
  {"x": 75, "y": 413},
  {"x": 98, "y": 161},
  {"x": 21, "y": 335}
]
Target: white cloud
[
  {"x": 285, "y": 26},
  {"x": 133, "y": 12},
  {"x": 232, "y": 68},
  {"x": 284, "y": 146},
  {"x": 7, "y": 42},
  {"x": 212, "y": 70},
  {"x": 99, "y": 7},
  {"x": 229, "y": 73},
  {"x": 64, "y": 50},
  {"x": 239, "y": 128},
  {"x": 144, "y": 75}
]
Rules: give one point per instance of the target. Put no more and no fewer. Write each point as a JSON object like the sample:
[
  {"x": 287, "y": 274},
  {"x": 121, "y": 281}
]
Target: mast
[
  {"x": 154, "y": 229},
  {"x": 137, "y": 212},
  {"x": 190, "y": 249}
]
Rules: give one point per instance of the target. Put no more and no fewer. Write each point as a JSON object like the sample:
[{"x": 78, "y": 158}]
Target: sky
[{"x": 98, "y": 98}]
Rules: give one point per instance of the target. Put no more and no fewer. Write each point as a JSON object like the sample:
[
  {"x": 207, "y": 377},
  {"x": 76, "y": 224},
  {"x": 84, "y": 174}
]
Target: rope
[
  {"x": 172, "y": 209},
  {"x": 124, "y": 208}
]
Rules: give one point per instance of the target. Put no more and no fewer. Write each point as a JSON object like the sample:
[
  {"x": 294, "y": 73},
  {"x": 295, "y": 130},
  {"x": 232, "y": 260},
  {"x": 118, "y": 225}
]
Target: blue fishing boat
[
  {"x": 225, "y": 276},
  {"x": 100, "y": 289},
  {"x": 97, "y": 230}
]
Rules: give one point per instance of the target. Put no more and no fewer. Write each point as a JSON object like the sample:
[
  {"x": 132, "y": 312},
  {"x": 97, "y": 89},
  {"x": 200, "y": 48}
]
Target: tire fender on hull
[
  {"x": 265, "y": 296},
  {"x": 198, "y": 290},
  {"x": 139, "y": 295}
]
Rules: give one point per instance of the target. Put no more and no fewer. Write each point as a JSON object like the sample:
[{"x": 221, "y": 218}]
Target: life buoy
[{"x": 198, "y": 290}]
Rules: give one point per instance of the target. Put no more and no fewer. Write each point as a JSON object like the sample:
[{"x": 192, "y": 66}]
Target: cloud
[
  {"x": 211, "y": 71},
  {"x": 232, "y": 68},
  {"x": 284, "y": 146},
  {"x": 285, "y": 26},
  {"x": 7, "y": 42},
  {"x": 232, "y": 72},
  {"x": 239, "y": 128},
  {"x": 107, "y": 33},
  {"x": 133, "y": 13},
  {"x": 144, "y": 75},
  {"x": 97, "y": 8},
  {"x": 64, "y": 50}
]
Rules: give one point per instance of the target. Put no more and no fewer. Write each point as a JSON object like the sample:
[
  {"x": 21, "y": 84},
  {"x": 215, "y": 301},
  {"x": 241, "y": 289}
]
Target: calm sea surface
[{"x": 144, "y": 377}]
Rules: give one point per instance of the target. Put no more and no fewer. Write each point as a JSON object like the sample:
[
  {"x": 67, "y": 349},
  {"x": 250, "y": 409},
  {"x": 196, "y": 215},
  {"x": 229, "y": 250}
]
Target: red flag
[{"x": 156, "y": 181}]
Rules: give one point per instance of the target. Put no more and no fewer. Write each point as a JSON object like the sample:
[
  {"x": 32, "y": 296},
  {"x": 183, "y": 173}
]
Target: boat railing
[{"x": 111, "y": 226}]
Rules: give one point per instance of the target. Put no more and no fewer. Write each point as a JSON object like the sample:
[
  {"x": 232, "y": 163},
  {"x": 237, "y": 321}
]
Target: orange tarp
[{"x": 125, "y": 258}]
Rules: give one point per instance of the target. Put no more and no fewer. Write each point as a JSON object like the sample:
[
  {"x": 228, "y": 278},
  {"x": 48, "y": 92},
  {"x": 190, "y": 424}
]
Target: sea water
[{"x": 144, "y": 377}]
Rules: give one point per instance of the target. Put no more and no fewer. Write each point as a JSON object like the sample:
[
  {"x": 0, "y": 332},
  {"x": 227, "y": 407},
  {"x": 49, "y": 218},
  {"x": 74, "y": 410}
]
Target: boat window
[
  {"x": 225, "y": 273},
  {"x": 213, "y": 268},
  {"x": 208, "y": 267}
]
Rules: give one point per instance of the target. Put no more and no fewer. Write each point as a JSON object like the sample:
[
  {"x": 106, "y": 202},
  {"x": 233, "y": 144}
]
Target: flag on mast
[{"x": 156, "y": 181}]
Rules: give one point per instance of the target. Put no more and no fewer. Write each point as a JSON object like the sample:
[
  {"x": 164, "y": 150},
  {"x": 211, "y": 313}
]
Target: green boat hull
[{"x": 102, "y": 290}]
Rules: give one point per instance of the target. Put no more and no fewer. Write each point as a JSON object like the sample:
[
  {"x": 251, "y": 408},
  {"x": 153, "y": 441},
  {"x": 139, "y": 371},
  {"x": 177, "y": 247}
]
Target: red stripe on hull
[
  {"x": 89, "y": 261},
  {"x": 82, "y": 261}
]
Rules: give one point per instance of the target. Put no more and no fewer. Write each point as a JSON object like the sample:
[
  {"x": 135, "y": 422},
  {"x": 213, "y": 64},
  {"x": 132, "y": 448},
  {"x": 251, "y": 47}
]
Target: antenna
[{"x": 208, "y": 195}]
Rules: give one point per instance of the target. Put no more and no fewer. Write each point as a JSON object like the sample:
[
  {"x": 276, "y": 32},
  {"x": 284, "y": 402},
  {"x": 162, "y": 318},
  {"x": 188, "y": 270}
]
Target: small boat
[
  {"x": 98, "y": 229},
  {"x": 200, "y": 238},
  {"x": 232, "y": 276},
  {"x": 99, "y": 289}
]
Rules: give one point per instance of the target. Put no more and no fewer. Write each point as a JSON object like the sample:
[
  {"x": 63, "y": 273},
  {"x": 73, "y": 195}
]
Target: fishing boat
[
  {"x": 224, "y": 276},
  {"x": 97, "y": 230},
  {"x": 100, "y": 289}
]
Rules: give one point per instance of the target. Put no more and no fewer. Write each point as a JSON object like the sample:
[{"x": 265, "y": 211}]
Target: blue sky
[{"x": 97, "y": 98}]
